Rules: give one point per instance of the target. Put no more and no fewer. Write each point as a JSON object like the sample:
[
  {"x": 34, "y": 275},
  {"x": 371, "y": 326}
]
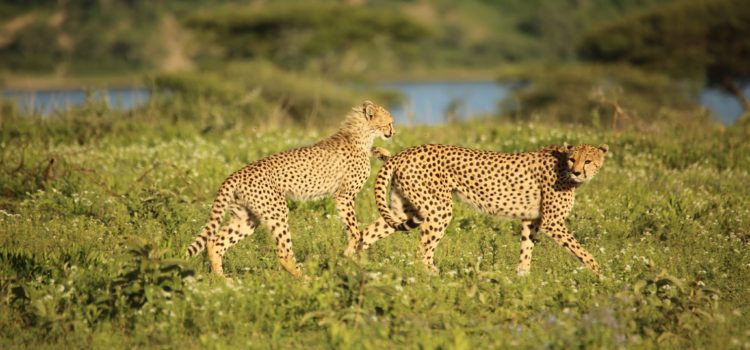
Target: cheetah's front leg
[
  {"x": 529, "y": 230},
  {"x": 380, "y": 153},
  {"x": 560, "y": 234},
  {"x": 345, "y": 208}
]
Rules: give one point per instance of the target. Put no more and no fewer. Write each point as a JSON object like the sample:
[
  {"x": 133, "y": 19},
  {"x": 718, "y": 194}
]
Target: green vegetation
[
  {"x": 263, "y": 91},
  {"x": 75, "y": 38},
  {"x": 310, "y": 35},
  {"x": 613, "y": 96},
  {"x": 696, "y": 39},
  {"x": 98, "y": 207}
]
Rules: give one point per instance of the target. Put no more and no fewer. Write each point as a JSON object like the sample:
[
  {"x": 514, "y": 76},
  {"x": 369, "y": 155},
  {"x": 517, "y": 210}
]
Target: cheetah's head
[
  {"x": 379, "y": 120},
  {"x": 584, "y": 161}
]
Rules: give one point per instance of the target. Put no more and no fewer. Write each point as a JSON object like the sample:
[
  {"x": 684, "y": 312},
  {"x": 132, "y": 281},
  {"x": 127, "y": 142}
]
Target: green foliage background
[
  {"x": 699, "y": 39},
  {"x": 107, "y": 37}
]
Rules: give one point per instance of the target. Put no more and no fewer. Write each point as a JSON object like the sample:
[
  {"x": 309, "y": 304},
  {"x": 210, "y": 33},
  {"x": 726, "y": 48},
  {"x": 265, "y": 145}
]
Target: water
[
  {"x": 723, "y": 105},
  {"x": 426, "y": 102},
  {"x": 437, "y": 102},
  {"x": 46, "y": 102}
]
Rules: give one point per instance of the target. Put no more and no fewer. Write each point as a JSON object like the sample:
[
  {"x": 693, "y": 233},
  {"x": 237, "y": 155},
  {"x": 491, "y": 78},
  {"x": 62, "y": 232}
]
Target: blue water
[
  {"x": 723, "y": 105},
  {"x": 46, "y": 102},
  {"x": 425, "y": 102},
  {"x": 436, "y": 102}
]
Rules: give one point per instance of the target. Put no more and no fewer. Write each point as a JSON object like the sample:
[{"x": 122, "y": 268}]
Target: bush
[
  {"x": 266, "y": 93},
  {"x": 614, "y": 97},
  {"x": 327, "y": 37}
]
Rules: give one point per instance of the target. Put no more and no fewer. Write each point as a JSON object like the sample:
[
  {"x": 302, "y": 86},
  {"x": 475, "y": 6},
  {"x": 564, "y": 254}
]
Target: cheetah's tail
[
  {"x": 214, "y": 221},
  {"x": 385, "y": 176}
]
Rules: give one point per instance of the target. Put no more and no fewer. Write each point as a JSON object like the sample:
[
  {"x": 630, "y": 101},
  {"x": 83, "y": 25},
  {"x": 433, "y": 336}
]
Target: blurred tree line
[
  {"x": 650, "y": 57},
  {"x": 309, "y": 35},
  {"x": 700, "y": 40},
  {"x": 100, "y": 36},
  {"x": 82, "y": 36}
]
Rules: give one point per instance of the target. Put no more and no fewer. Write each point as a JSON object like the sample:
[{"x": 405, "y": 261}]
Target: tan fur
[
  {"x": 536, "y": 187},
  {"x": 337, "y": 166}
]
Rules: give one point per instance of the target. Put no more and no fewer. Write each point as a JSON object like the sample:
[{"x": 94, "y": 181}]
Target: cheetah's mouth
[{"x": 581, "y": 178}]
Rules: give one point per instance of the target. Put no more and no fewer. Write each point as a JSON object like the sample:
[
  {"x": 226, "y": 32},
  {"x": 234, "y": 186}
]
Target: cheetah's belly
[
  {"x": 309, "y": 193},
  {"x": 528, "y": 210},
  {"x": 309, "y": 178},
  {"x": 313, "y": 187},
  {"x": 504, "y": 202}
]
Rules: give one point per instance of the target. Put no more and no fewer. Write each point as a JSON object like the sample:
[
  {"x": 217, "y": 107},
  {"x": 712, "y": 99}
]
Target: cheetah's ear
[
  {"x": 567, "y": 146},
  {"x": 604, "y": 147},
  {"x": 368, "y": 108},
  {"x": 559, "y": 151}
]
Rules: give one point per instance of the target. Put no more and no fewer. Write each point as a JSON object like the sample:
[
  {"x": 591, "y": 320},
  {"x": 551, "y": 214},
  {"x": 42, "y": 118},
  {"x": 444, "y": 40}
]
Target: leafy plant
[
  {"x": 148, "y": 277},
  {"x": 665, "y": 307}
]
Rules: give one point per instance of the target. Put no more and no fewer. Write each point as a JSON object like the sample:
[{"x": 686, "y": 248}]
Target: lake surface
[
  {"x": 48, "y": 101},
  {"x": 723, "y": 105},
  {"x": 426, "y": 102},
  {"x": 437, "y": 102}
]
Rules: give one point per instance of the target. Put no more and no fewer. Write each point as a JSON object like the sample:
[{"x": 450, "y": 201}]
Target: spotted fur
[
  {"x": 337, "y": 166},
  {"x": 536, "y": 187}
]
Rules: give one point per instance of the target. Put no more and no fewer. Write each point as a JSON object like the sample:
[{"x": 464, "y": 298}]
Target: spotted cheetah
[
  {"x": 338, "y": 166},
  {"x": 537, "y": 187}
]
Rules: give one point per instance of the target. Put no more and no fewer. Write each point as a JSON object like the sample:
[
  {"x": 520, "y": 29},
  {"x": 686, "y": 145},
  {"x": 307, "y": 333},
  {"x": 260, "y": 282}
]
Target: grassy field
[{"x": 97, "y": 211}]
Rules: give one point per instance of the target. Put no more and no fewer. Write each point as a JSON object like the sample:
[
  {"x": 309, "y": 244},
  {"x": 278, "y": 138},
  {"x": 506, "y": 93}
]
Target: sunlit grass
[{"x": 91, "y": 250}]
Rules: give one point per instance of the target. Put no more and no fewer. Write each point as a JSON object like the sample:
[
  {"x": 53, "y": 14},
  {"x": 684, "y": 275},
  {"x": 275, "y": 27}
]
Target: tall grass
[{"x": 92, "y": 244}]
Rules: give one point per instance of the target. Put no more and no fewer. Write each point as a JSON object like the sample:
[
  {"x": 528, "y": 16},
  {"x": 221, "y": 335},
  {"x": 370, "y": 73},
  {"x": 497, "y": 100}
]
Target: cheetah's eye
[
  {"x": 573, "y": 160},
  {"x": 588, "y": 161}
]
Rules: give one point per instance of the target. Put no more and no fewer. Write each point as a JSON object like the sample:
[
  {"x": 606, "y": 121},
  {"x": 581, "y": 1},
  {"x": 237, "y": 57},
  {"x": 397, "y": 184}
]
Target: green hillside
[{"x": 72, "y": 38}]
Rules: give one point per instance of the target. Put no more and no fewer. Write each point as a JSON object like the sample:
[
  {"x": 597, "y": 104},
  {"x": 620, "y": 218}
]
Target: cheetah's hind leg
[
  {"x": 242, "y": 224},
  {"x": 438, "y": 217},
  {"x": 379, "y": 229},
  {"x": 275, "y": 215}
]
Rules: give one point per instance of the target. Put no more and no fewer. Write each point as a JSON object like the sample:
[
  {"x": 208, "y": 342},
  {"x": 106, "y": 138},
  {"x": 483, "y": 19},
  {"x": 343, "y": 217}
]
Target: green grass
[{"x": 91, "y": 247}]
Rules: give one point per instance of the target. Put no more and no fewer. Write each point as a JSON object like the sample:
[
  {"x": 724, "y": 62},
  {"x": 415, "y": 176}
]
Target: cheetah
[
  {"x": 337, "y": 166},
  {"x": 536, "y": 187}
]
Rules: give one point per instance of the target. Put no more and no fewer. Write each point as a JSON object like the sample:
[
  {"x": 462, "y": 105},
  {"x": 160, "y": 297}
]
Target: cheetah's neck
[
  {"x": 563, "y": 182},
  {"x": 355, "y": 130},
  {"x": 568, "y": 185}
]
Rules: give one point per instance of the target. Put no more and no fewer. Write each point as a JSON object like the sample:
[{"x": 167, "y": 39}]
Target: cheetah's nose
[{"x": 576, "y": 173}]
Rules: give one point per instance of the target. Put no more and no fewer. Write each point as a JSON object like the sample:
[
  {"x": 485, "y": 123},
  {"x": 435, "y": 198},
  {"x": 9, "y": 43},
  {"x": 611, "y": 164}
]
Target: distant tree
[
  {"x": 293, "y": 35},
  {"x": 85, "y": 35},
  {"x": 697, "y": 39}
]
